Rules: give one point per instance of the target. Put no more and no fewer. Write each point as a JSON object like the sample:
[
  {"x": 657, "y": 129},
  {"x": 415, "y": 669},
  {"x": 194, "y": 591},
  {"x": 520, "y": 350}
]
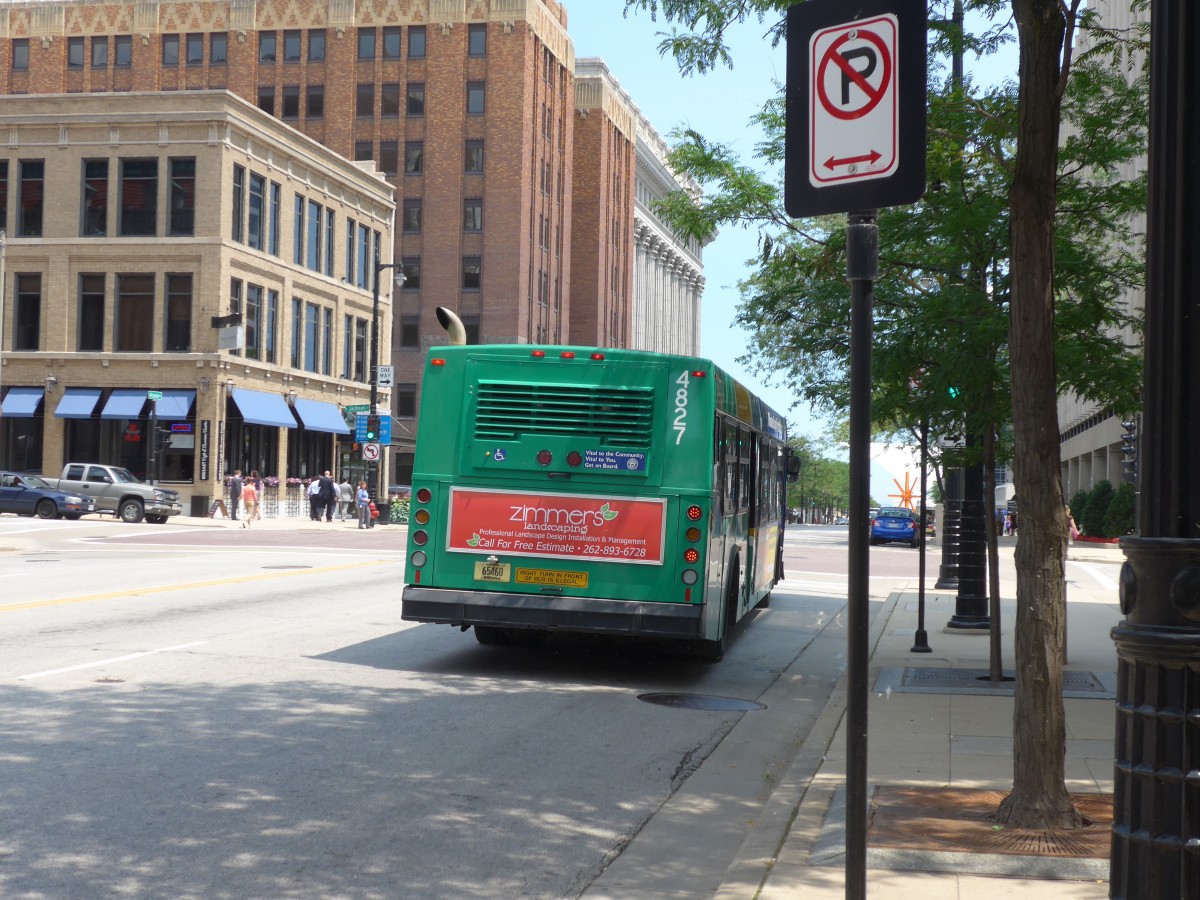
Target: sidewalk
[{"x": 925, "y": 734}]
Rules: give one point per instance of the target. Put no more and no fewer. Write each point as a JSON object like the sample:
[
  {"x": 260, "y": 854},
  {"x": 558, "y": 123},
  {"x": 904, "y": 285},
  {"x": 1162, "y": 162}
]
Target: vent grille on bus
[{"x": 616, "y": 416}]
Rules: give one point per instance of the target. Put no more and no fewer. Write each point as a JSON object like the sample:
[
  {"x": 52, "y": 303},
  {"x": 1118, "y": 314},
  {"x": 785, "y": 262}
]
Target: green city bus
[{"x": 607, "y": 491}]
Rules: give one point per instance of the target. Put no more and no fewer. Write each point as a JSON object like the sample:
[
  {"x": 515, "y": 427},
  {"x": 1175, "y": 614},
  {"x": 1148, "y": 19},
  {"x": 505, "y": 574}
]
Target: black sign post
[{"x": 855, "y": 141}]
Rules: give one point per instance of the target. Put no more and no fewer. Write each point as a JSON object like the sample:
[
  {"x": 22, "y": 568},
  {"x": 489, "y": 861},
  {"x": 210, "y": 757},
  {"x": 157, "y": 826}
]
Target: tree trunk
[{"x": 1039, "y": 797}]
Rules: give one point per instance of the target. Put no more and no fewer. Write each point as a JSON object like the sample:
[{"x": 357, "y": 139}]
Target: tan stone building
[{"x": 140, "y": 228}]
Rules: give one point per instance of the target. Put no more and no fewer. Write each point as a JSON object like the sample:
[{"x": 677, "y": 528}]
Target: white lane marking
[
  {"x": 1095, "y": 572},
  {"x": 105, "y": 662}
]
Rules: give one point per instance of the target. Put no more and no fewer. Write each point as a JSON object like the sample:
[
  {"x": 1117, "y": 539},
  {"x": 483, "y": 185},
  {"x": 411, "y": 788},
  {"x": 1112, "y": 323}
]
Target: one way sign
[{"x": 855, "y": 105}]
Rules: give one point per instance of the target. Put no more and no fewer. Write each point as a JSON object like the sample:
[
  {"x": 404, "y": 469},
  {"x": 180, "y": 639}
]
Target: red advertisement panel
[{"x": 563, "y": 526}]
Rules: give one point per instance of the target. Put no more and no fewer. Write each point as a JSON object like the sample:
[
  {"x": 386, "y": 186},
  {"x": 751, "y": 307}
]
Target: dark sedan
[
  {"x": 29, "y": 495},
  {"x": 894, "y": 523}
]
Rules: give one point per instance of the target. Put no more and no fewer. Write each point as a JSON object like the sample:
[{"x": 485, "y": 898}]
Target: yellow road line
[{"x": 162, "y": 589}]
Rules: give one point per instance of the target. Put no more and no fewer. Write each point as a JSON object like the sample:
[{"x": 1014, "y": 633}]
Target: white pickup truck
[{"x": 119, "y": 492}]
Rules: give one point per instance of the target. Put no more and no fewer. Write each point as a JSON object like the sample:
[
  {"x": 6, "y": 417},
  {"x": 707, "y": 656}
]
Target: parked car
[
  {"x": 894, "y": 523},
  {"x": 32, "y": 495},
  {"x": 119, "y": 492}
]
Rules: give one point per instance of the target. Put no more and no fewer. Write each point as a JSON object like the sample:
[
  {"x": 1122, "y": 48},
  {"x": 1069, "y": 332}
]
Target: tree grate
[{"x": 949, "y": 680}]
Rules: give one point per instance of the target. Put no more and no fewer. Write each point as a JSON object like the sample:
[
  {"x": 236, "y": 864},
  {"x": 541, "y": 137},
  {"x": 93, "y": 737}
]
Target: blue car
[
  {"x": 29, "y": 495},
  {"x": 894, "y": 523}
]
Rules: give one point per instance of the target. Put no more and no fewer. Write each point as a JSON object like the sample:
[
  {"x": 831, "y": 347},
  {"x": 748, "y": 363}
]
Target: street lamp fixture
[{"x": 399, "y": 279}]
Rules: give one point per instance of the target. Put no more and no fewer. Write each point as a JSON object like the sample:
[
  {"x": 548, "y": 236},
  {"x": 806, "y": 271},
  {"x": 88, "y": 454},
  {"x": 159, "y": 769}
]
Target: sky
[{"x": 719, "y": 105}]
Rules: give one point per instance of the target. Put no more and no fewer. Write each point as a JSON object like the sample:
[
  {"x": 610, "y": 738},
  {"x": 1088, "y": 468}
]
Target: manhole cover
[
  {"x": 287, "y": 567},
  {"x": 705, "y": 702}
]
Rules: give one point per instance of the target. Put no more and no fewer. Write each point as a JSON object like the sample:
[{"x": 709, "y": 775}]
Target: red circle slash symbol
[{"x": 874, "y": 95}]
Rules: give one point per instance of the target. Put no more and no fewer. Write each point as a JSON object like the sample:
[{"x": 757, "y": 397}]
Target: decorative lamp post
[{"x": 379, "y": 267}]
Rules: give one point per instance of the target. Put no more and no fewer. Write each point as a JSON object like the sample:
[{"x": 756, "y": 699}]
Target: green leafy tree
[
  {"x": 1099, "y": 500},
  {"x": 1078, "y": 506},
  {"x": 1002, "y": 284},
  {"x": 1119, "y": 519}
]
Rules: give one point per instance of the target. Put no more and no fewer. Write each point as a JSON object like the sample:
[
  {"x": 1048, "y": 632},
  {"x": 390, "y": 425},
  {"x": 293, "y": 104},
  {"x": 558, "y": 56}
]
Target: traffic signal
[
  {"x": 164, "y": 438},
  {"x": 1129, "y": 439},
  {"x": 372, "y": 428}
]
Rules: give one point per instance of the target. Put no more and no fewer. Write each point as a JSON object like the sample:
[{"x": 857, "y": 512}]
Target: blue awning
[
  {"x": 317, "y": 416},
  {"x": 78, "y": 403},
  {"x": 22, "y": 402},
  {"x": 175, "y": 404},
  {"x": 259, "y": 408},
  {"x": 124, "y": 403}
]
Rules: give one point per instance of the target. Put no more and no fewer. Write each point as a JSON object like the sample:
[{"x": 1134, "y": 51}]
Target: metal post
[
  {"x": 971, "y": 604},
  {"x": 1156, "y": 792},
  {"x": 862, "y": 262},
  {"x": 921, "y": 638},
  {"x": 951, "y": 519}
]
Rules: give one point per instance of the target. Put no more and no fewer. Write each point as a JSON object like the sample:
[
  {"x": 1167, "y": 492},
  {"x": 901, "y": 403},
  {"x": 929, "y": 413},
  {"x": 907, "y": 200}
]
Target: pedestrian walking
[
  {"x": 1071, "y": 526},
  {"x": 250, "y": 500},
  {"x": 329, "y": 495},
  {"x": 363, "y": 499},
  {"x": 314, "y": 499},
  {"x": 345, "y": 498},
  {"x": 235, "y": 494},
  {"x": 257, "y": 481}
]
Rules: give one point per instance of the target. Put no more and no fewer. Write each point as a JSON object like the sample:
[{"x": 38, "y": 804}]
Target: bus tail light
[
  {"x": 544, "y": 457},
  {"x": 694, "y": 513},
  {"x": 692, "y": 534},
  {"x": 421, "y": 517},
  {"x": 424, "y": 495},
  {"x": 419, "y": 559},
  {"x": 691, "y": 556},
  {"x": 420, "y": 538}
]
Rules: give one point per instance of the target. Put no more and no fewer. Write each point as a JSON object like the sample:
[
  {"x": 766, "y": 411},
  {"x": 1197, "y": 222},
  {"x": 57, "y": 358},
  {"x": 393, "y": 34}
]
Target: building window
[
  {"x": 475, "y": 94},
  {"x": 391, "y": 42},
  {"x": 477, "y": 40},
  {"x": 471, "y": 271},
  {"x": 139, "y": 197},
  {"x": 183, "y": 197},
  {"x": 134, "y": 314},
  {"x": 410, "y": 331},
  {"x": 414, "y": 157},
  {"x": 298, "y": 233},
  {"x": 179, "y": 313},
  {"x": 273, "y": 230},
  {"x": 412, "y": 273},
  {"x": 473, "y": 159},
  {"x": 351, "y": 229},
  {"x": 253, "y": 320},
  {"x": 389, "y": 157},
  {"x": 255, "y": 208},
  {"x": 170, "y": 51},
  {"x": 297, "y": 331},
  {"x": 218, "y": 48},
  {"x": 291, "y": 46},
  {"x": 90, "y": 327},
  {"x": 312, "y": 348},
  {"x": 347, "y": 344},
  {"x": 416, "y": 42},
  {"x": 363, "y": 255},
  {"x": 360, "y": 350},
  {"x": 405, "y": 398},
  {"x": 237, "y": 230},
  {"x": 316, "y": 101},
  {"x": 366, "y": 43},
  {"x": 471, "y": 326},
  {"x": 195, "y": 49},
  {"x": 363, "y": 151},
  {"x": 416, "y": 98},
  {"x": 99, "y": 53},
  {"x": 271, "y": 326},
  {"x": 266, "y": 46},
  {"x": 412, "y": 215},
  {"x": 266, "y": 100},
  {"x": 75, "y": 53},
  {"x": 291, "y": 101},
  {"x": 20, "y": 55},
  {"x": 3, "y": 193},
  {"x": 314, "y": 236},
  {"x": 389, "y": 100},
  {"x": 473, "y": 214},
  {"x": 28, "y": 315},
  {"x": 95, "y": 198},
  {"x": 327, "y": 342},
  {"x": 364, "y": 101},
  {"x": 316, "y": 44},
  {"x": 32, "y": 197}
]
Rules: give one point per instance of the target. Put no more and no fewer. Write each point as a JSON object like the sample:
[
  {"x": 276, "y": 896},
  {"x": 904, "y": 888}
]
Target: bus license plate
[
  {"x": 552, "y": 578},
  {"x": 485, "y": 571}
]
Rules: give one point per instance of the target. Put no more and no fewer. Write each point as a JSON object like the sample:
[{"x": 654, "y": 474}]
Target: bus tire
[{"x": 490, "y": 634}]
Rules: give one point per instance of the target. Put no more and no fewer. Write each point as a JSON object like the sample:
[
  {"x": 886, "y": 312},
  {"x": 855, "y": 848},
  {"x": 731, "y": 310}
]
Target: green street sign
[
  {"x": 153, "y": 395},
  {"x": 359, "y": 408}
]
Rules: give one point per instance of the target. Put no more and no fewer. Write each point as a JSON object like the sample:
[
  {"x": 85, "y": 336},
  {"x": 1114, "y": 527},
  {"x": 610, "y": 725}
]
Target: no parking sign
[{"x": 855, "y": 106}]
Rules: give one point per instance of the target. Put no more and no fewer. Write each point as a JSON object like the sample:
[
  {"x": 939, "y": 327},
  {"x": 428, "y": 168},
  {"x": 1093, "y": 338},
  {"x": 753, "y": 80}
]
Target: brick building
[
  {"x": 466, "y": 106},
  {"x": 135, "y": 223}
]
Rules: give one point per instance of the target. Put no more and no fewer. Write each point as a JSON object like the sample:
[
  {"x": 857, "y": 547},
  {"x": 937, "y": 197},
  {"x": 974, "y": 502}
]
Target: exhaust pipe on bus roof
[{"x": 453, "y": 325}]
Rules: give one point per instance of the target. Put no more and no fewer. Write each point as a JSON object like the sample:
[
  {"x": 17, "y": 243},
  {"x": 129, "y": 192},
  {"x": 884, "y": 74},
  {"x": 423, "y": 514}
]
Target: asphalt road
[{"x": 198, "y": 711}]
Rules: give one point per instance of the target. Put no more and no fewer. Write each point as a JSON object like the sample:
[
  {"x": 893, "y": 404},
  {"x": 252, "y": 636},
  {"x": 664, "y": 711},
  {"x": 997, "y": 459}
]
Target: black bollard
[
  {"x": 971, "y": 604},
  {"x": 951, "y": 517},
  {"x": 1156, "y": 797}
]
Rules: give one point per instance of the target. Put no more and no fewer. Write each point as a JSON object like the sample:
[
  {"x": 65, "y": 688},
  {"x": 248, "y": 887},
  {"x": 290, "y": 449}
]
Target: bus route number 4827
[{"x": 681, "y": 400}]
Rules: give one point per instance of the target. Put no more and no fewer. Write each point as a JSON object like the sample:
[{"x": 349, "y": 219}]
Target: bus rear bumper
[{"x": 551, "y": 613}]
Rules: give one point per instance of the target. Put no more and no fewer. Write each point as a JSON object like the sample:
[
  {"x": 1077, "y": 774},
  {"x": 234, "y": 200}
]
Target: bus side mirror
[{"x": 793, "y": 467}]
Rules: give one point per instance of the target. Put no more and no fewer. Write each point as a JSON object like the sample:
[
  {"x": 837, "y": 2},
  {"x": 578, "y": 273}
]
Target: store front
[{"x": 21, "y": 429}]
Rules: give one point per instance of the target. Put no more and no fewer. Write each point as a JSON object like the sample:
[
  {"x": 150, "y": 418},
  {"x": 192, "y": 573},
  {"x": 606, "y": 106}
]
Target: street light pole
[{"x": 379, "y": 267}]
